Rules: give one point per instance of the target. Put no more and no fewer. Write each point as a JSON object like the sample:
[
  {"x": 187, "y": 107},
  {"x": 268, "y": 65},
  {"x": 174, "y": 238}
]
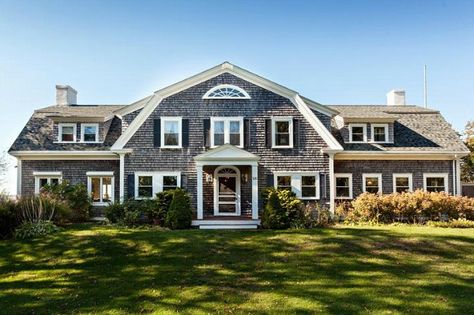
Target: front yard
[{"x": 105, "y": 270}]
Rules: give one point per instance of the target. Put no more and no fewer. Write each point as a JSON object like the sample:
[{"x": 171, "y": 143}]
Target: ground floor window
[
  {"x": 304, "y": 185},
  {"x": 372, "y": 183},
  {"x": 434, "y": 182},
  {"x": 402, "y": 183},
  {"x": 150, "y": 183},
  {"x": 101, "y": 187},
  {"x": 343, "y": 186},
  {"x": 43, "y": 179}
]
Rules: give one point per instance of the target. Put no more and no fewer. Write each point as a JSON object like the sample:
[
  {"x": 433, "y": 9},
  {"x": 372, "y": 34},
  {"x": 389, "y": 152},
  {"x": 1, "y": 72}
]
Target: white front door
[{"x": 227, "y": 191}]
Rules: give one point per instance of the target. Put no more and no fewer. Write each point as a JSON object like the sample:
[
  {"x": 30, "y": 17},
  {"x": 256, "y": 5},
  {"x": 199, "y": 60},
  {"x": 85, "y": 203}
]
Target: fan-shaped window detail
[
  {"x": 226, "y": 91},
  {"x": 227, "y": 170}
]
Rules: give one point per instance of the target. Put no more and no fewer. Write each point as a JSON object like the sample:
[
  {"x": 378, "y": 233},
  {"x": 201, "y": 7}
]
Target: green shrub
[
  {"x": 157, "y": 208},
  {"x": 283, "y": 212},
  {"x": 179, "y": 215},
  {"x": 28, "y": 230},
  {"x": 274, "y": 216},
  {"x": 8, "y": 217},
  {"x": 114, "y": 211},
  {"x": 457, "y": 223}
]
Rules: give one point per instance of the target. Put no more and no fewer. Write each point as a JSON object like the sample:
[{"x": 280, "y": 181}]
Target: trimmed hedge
[{"x": 412, "y": 207}]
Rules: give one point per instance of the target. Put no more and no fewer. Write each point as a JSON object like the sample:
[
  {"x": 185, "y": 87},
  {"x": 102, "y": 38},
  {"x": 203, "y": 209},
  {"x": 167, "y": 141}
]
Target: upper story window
[
  {"x": 358, "y": 133},
  {"x": 67, "y": 132},
  {"x": 90, "y": 132},
  {"x": 282, "y": 132},
  {"x": 227, "y": 130},
  {"x": 171, "y": 132},
  {"x": 226, "y": 91},
  {"x": 379, "y": 132}
]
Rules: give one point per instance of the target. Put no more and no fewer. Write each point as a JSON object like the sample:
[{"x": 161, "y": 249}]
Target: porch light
[{"x": 245, "y": 178}]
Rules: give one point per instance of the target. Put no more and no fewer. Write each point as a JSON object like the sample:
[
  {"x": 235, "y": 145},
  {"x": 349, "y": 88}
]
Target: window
[
  {"x": 67, "y": 132},
  {"x": 227, "y": 130},
  {"x": 46, "y": 178},
  {"x": 226, "y": 91},
  {"x": 435, "y": 182},
  {"x": 101, "y": 187},
  {"x": 147, "y": 184},
  {"x": 358, "y": 133},
  {"x": 372, "y": 183},
  {"x": 171, "y": 132},
  {"x": 304, "y": 184},
  {"x": 282, "y": 128},
  {"x": 379, "y": 132},
  {"x": 343, "y": 186},
  {"x": 402, "y": 183},
  {"x": 90, "y": 132}
]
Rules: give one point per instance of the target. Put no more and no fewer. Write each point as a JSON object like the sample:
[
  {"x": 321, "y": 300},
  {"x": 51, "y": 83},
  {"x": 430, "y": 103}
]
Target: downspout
[
  {"x": 332, "y": 185},
  {"x": 454, "y": 178}
]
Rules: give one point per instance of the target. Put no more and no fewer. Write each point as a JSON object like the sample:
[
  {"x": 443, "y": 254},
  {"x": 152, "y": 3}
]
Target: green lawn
[{"x": 344, "y": 270}]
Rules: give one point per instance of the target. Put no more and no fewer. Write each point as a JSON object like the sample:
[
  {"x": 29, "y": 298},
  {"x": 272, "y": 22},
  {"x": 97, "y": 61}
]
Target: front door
[{"x": 227, "y": 192}]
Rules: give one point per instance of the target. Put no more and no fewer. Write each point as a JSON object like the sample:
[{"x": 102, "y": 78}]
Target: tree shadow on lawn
[{"x": 99, "y": 269}]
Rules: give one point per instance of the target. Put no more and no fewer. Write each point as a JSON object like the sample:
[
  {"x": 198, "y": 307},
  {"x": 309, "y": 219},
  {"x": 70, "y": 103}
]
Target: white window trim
[
  {"x": 60, "y": 132},
  {"x": 410, "y": 180},
  {"x": 344, "y": 175},
  {"x": 288, "y": 119},
  {"x": 83, "y": 127},
  {"x": 221, "y": 86},
  {"x": 157, "y": 181},
  {"x": 378, "y": 175},
  {"x": 101, "y": 175},
  {"x": 48, "y": 176},
  {"x": 296, "y": 183},
  {"x": 180, "y": 129},
  {"x": 364, "y": 126},
  {"x": 430, "y": 175},
  {"x": 372, "y": 127},
  {"x": 227, "y": 121}
]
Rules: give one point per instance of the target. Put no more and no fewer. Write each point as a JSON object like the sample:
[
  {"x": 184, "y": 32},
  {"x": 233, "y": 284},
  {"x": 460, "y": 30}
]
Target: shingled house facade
[{"x": 224, "y": 135}]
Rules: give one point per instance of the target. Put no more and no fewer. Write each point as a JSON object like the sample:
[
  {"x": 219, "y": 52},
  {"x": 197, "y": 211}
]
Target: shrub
[
  {"x": 179, "y": 215},
  {"x": 457, "y": 223},
  {"x": 274, "y": 216},
  {"x": 29, "y": 230},
  {"x": 114, "y": 211},
  {"x": 39, "y": 208},
  {"x": 8, "y": 218},
  {"x": 157, "y": 208},
  {"x": 312, "y": 215}
]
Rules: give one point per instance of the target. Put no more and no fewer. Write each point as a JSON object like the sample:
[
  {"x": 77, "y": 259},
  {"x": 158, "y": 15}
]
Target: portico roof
[{"x": 226, "y": 152}]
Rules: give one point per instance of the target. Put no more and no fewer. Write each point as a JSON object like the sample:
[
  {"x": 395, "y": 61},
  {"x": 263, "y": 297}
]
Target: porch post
[
  {"x": 200, "y": 214},
  {"x": 332, "y": 184},
  {"x": 122, "y": 177},
  {"x": 255, "y": 191},
  {"x": 18, "y": 177}
]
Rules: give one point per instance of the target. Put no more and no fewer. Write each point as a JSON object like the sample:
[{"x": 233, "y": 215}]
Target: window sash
[
  {"x": 227, "y": 130},
  {"x": 343, "y": 185},
  {"x": 282, "y": 138},
  {"x": 359, "y": 134},
  {"x": 43, "y": 180},
  {"x": 155, "y": 182},
  {"x": 438, "y": 185},
  {"x": 67, "y": 132},
  {"x": 305, "y": 185},
  {"x": 171, "y": 132},
  {"x": 379, "y": 132},
  {"x": 101, "y": 189},
  {"x": 372, "y": 183},
  {"x": 90, "y": 132}
]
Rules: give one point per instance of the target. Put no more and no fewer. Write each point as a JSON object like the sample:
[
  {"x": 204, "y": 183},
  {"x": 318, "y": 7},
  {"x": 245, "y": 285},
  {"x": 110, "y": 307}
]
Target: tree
[
  {"x": 467, "y": 163},
  {"x": 4, "y": 164}
]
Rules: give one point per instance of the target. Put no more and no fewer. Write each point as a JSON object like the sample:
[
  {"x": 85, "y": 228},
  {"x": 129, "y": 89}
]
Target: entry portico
[{"x": 225, "y": 173}]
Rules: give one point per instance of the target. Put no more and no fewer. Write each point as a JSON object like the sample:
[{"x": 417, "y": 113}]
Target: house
[{"x": 225, "y": 134}]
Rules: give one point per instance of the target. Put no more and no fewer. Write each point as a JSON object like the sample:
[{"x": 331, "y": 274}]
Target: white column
[
  {"x": 122, "y": 177},
  {"x": 458, "y": 177},
  {"x": 200, "y": 212},
  {"x": 255, "y": 191},
  {"x": 18, "y": 177},
  {"x": 332, "y": 184}
]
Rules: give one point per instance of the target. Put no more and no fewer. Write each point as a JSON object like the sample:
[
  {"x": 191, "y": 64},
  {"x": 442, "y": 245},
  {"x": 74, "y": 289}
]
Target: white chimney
[
  {"x": 65, "y": 95},
  {"x": 396, "y": 97}
]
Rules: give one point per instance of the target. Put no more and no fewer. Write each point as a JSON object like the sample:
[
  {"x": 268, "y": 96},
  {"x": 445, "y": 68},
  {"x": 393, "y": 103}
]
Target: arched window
[{"x": 226, "y": 91}]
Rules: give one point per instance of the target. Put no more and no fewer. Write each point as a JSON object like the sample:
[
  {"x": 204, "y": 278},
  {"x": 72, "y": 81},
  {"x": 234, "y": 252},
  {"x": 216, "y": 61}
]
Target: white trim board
[{"x": 226, "y": 67}]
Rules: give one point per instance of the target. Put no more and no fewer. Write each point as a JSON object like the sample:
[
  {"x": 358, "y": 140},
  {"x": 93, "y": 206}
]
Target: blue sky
[{"x": 335, "y": 52}]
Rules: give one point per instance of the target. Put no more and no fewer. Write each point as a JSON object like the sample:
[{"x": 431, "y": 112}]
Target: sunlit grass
[{"x": 92, "y": 269}]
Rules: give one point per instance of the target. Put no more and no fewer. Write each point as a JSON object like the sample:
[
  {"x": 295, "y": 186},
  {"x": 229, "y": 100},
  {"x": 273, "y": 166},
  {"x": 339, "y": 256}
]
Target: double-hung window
[
  {"x": 147, "y": 184},
  {"x": 101, "y": 187},
  {"x": 402, "y": 182},
  {"x": 282, "y": 132},
  {"x": 171, "y": 132},
  {"x": 379, "y": 132},
  {"x": 304, "y": 184},
  {"x": 46, "y": 178},
  {"x": 90, "y": 132},
  {"x": 435, "y": 182},
  {"x": 372, "y": 183},
  {"x": 67, "y": 132},
  {"x": 358, "y": 133},
  {"x": 343, "y": 185},
  {"x": 227, "y": 130}
]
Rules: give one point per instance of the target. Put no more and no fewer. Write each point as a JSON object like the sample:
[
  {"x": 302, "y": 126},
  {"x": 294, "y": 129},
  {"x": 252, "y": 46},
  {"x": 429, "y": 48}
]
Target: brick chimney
[
  {"x": 65, "y": 95},
  {"x": 396, "y": 97}
]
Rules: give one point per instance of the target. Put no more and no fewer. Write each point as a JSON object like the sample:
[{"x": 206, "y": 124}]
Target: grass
[{"x": 91, "y": 269}]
